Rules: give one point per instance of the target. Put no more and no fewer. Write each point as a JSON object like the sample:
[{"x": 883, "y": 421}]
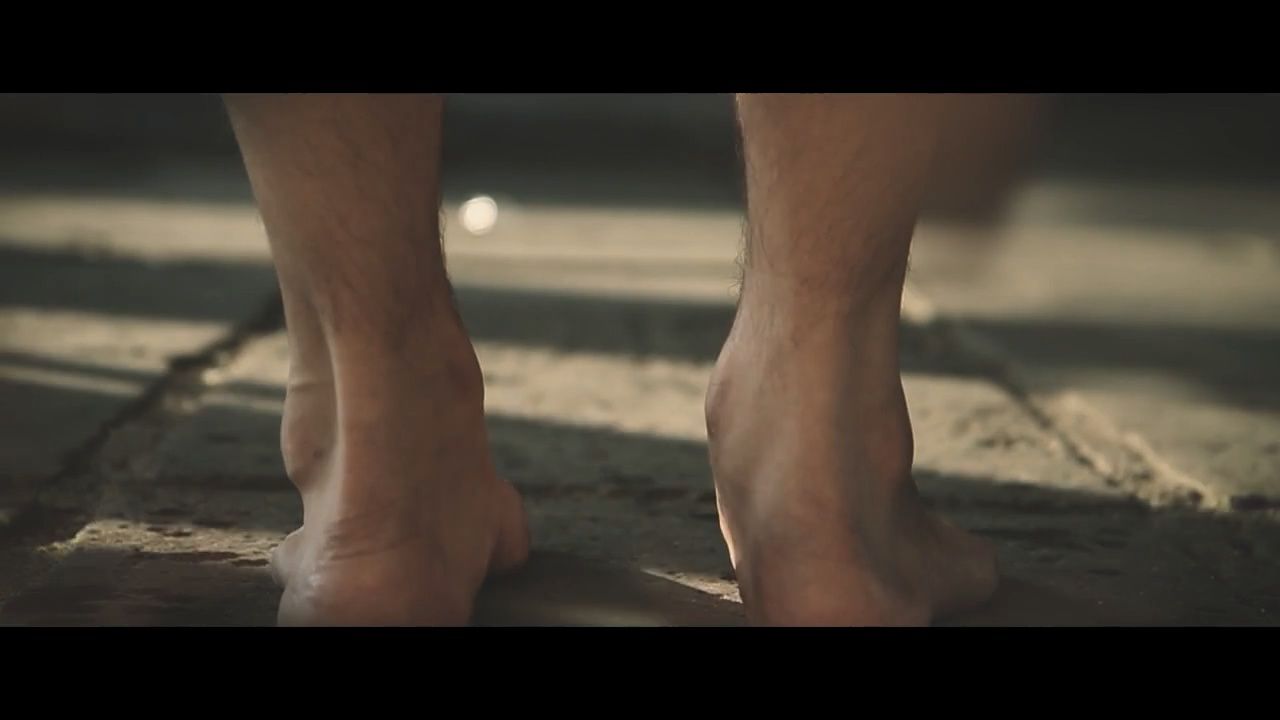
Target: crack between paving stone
[
  {"x": 65, "y": 502},
  {"x": 1122, "y": 460}
]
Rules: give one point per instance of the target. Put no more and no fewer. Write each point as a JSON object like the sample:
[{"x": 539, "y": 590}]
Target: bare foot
[
  {"x": 811, "y": 452},
  {"x": 404, "y": 515},
  {"x": 383, "y": 433}
]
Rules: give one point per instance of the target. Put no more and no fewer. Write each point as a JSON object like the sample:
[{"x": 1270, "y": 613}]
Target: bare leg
[
  {"x": 810, "y": 441},
  {"x": 383, "y": 429}
]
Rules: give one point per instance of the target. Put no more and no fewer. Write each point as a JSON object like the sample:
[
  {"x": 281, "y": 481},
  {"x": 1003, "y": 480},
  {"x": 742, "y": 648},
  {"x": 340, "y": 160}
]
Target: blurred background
[
  {"x": 1108, "y": 266},
  {"x": 656, "y": 138}
]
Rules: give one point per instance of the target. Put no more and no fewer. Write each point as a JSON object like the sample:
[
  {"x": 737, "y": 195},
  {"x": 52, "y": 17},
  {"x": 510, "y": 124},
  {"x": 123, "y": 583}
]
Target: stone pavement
[{"x": 1095, "y": 395}]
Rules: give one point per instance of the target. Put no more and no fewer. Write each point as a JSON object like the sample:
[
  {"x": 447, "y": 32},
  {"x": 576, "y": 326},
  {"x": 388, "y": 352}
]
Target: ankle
[
  {"x": 810, "y": 355},
  {"x": 433, "y": 365},
  {"x": 833, "y": 394},
  {"x": 371, "y": 396}
]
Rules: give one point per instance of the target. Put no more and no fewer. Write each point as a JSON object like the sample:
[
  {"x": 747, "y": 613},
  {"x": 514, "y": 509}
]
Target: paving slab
[
  {"x": 1158, "y": 309},
  {"x": 100, "y": 300},
  {"x": 596, "y": 331},
  {"x": 615, "y": 479}
]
